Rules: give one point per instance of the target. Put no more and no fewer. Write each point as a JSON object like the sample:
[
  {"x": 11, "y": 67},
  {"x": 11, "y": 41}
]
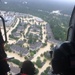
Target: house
[
  {"x": 18, "y": 49},
  {"x": 16, "y": 34},
  {"x": 20, "y": 42},
  {"x": 48, "y": 31},
  {"x": 35, "y": 46},
  {"x": 39, "y": 21}
]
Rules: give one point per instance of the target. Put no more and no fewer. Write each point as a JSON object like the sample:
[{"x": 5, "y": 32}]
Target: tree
[
  {"x": 44, "y": 44},
  {"x": 44, "y": 60},
  {"x": 43, "y": 73},
  {"x": 31, "y": 53},
  {"x": 47, "y": 55},
  {"x": 30, "y": 39},
  {"x": 37, "y": 71},
  {"x": 52, "y": 45},
  {"x": 7, "y": 48},
  {"x": 41, "y": 55},
  {"x": 39, "y": 63},
  {"x": 47, "y": 70},
  {"x": 26, "y": 57}
]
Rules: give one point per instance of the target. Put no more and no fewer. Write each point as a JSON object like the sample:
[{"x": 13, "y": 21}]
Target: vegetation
[
  {"x": 44, "y": 44},
  {"x": 41, "y": 55},
  {"x": 39, "y": 63},
  {"x": 37, "y": 71},
  {"x": 46, "y": 71},
  {"x": 47, "y": 55},
  {"x": 59, "y": 25},
  {"x": 11, "y": 36},
  {"x": 52, "y": 45},
  {"x": 32, "y": 39},
  {"x": 32, "y": 53},
  {"x": 43, "y": 73},
  {"x": 44, "y": 60},
  {"x": 7, "y": 48},
  {"x": 26, "y": 57}
]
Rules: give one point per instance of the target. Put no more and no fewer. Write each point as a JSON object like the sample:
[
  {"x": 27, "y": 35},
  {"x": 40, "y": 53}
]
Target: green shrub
[{"x": 39, "y": 63}]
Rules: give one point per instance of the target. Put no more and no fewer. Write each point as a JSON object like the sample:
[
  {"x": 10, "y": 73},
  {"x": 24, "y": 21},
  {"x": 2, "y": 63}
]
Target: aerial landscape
[{"x": 33, "y": 29}]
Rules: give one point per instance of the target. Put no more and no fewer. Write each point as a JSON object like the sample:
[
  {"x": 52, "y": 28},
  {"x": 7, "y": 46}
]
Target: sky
[
  {"x": 48, "y": 0},
  {"x": 65, "y": 0},
  {"x": 59, "y": 0}
]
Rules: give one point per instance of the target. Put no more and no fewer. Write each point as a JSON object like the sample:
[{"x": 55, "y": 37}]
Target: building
[
  {"x": 19, "y": 50},
  {"x": 35, "y": 46}
]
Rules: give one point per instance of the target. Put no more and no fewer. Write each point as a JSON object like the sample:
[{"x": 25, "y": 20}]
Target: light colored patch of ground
[
  {"x": 26, "y": 30},
  {"x": 44, "y": 35},
  {"x": 16, "y": 56}
]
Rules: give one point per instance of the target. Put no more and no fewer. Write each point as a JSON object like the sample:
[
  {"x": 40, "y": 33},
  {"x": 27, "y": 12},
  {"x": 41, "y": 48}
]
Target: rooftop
[
  {"x": 19, "y": 49},
  {"x": 35, "y": 46},
  {"x": 38, "y": 19}
]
